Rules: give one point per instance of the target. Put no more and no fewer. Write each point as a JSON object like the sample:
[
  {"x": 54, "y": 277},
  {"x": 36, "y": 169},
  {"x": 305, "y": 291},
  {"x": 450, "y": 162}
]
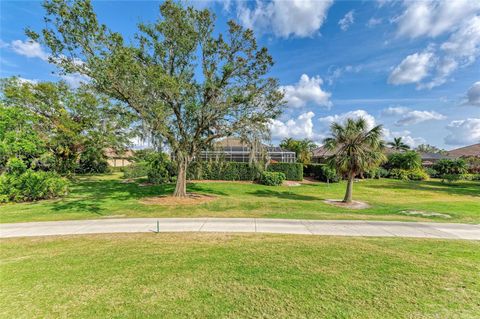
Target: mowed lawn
[
  {"x": 109, "y": 196},
  {"x": 233, "y": 275}
]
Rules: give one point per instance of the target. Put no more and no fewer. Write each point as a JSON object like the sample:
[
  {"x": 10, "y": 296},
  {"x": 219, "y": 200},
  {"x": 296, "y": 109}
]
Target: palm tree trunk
[{"x": 348, "y": 193}]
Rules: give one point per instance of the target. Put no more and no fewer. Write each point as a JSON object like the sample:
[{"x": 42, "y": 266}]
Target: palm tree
[
  {"x": 356, "y": 149},
  {"x": 398, "y": 145}
]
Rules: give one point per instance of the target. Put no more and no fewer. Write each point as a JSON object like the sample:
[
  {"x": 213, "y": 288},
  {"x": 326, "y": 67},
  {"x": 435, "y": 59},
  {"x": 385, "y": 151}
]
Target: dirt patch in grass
[
  {"x": 353, "y": 205},
  {"x": 168, "y": 200},
  {"x": 218, "y": 181},
  {"x": 424, "y": 214},
  {"x": 291, "y": 183}
]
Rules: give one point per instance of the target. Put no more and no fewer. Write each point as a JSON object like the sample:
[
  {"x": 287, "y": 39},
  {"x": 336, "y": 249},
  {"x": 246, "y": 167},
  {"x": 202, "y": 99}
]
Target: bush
[
  {"x": 92, "y": 160},
  {"x": 15, "y": 166},
  {"x": 292, "y": 171},
  {"x": 406, "y": 175},
  {"x": 272, "y": 178},
  {"x": 417, "y": 175},
  {"x": 160, "y": 169},
  {"x": 31, "y": 186},
  {"x": 376, "y": 173},
  {"x": 431, "y": 172},
  {"x": 135, "y": 170},
  {"x": 407, "y": 161},
  {"x": 450, "y": 167},
  {"x": 220, "y": 170},
  {"x": 321, "y": 172},
  {"x": 450, "y": 178}
]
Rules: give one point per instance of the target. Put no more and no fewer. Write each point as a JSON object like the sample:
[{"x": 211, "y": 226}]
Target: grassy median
[{"x": 232, "y": 275}]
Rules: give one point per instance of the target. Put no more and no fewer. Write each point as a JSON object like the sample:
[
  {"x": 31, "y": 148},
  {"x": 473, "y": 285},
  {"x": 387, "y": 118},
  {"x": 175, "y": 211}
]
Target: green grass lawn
[
  {"x": 106, "y": 196},
  {"x": 233, "y": 275}
]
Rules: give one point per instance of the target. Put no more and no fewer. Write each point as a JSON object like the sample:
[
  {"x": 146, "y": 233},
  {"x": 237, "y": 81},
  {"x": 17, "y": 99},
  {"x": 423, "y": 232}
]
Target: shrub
[
  {"x": 135, "y": 170},
  {"x": 220, "y": 170},
  {"x": 321, "y": 172},
  {"x": 292, "y": 171},
  {"x": 272, "y": 178},
  {"x": 31, "y": 186},
  {"x": 15, "y": 166},
  {"x": 398, "y": 173},
  {"x": 431, "y": 172},
  {"x": 406, "y": 161},
  {"x": 450, "y": 167},
  {"x": 412, "y": 174},
  {"x": 160, "y": 169},
  {"x": 417, "y": 175},
  {"x": 450, "y": 178},
  {"x": 92, "y": 160},
  {"x": 377, "y": 173}
]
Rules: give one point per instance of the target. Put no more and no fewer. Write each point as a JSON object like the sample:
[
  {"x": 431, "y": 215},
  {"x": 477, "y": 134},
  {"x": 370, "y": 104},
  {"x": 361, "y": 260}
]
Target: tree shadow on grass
[
  {"x": 282, "y": 195},
  {"x": 470, "y": 189},
  {"x": 90, "y": 195}
]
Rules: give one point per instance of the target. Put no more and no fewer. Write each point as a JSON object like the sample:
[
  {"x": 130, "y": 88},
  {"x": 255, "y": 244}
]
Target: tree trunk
[
  {"x": 348, "y": 193},
  {"x": 181, "y": 186}
]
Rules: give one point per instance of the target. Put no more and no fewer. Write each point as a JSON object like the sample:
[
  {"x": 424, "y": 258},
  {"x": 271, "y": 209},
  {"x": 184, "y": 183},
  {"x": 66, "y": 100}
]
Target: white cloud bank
[
  {"x": 285, "y": 18},
  {"x": 433, "y": 18},
  {"x": 301, "y": 127},
  {"x": 460, "y": 19},
  {"x": 307, "y": 90},
  {"x": 463, "y": 132},
  {"x": 341, "y": 118}
]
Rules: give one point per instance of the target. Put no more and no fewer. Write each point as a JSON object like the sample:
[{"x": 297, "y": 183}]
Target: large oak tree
[{"x": 187, "y": 83}]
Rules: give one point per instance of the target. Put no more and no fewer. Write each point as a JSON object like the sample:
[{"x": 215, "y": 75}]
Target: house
[
  {"x": 467, "y": 151},
  {"x": 233, "y": 149},
  {"x": 119, "y": 159},
  {"x": 428, "y": 159}
]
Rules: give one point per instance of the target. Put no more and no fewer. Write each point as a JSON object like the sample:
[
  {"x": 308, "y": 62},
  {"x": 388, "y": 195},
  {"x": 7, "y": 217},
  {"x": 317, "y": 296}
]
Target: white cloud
[
  {"x": 336, "y": 72},
  {"x": 285, "y": 18},
  {"x": 415, "y": 117},
  {"x": 75, "y": 79},
  {"x": 307, "y": 90},
  {"x": 341, "y": 118},
  {"x": 443, "y": 69},
  {"x": 412, "y": 69},
  {"x": 463, "y": 132},
  {"x": 433, "y": 18},
  {"x": 346, "y": 21},
  {"x": 28, "y": 48},
  {"x": 301, "y": 127},
  {"x": 464, "y": 44},
  {"x": 373, "y": 22},
  {"x": 473, "y": 94},
  {"x": 460, "y": 19},
  {"x": 395, "y": 111},
  {"x": 405, "y": 135},
  {"x": 410, "y": 117}
]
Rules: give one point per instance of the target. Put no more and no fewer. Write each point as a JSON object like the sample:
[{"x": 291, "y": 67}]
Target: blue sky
[{"x": 413, "y": 66}]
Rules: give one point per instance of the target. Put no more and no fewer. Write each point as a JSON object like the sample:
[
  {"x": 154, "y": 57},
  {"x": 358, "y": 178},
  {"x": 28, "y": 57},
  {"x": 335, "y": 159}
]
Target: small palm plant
[
  {"x": 356, "y": 149},
  {"x": 398, "y": 145}
]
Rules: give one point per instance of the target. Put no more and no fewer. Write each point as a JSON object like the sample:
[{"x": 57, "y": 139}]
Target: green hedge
[
  {"x": 292, "y": 171},
  {"x": 230, "y": 171},
  {"x": 321, "y": 172}
]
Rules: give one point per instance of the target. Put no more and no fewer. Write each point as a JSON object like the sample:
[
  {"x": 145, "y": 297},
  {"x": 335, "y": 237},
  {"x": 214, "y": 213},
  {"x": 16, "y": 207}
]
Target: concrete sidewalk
[{"x": 247, "y": 225}]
